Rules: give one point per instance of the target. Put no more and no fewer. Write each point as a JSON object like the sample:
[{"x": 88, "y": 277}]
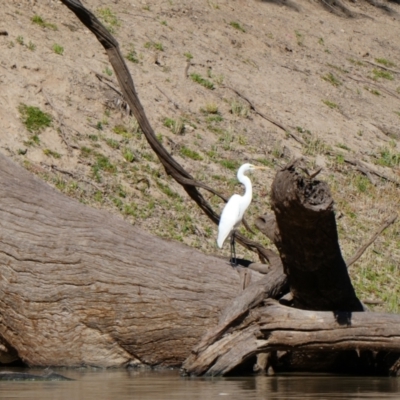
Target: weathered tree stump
[
  {"x": 307, "y": 240},
  {"x": 339, "y": 336}
]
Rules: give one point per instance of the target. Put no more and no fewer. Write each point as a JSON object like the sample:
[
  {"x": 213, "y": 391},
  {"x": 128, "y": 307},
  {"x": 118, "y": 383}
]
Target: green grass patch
[
  {"x": 377, "y": 73},
  {"x": 356, "y": 62},
  {"x": 233, "y": 165},
  {"x": 331, "y": 79},
  {"x": 109, "y": 18},
  {"x": 154, "y": 45},
  {"x": 34, "y": 118},
  {"x": 385, "y": 62},
  {"x": 194, "y": 155},
  {"x": 299, "y": 37},
  {"x": 132, "y": 55},
  {"x": 58, "y": 49},
  {"x": 177, "y": 127},
  {"x": 388, "y": 158},
  {"x": 51, "y": 153},
  {"x": 102, "y": 163},
  {"x": 114, "y": 144},
  {"x": 128, "y": 155},
  {"x": 237, "y": 26},
  {"x": 202, "y": 81},
  {"x": 167, "y": 190},
  {"x": 31, "y": 46},
  {"x": 38, "y": 20},
  {"x": 330, "y": 104},
  {"x": 240, "y": 109}
]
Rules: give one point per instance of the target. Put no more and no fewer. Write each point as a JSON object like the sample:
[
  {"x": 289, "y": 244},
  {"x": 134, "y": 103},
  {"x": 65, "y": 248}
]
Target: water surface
[{"x": 145, "y": 385}]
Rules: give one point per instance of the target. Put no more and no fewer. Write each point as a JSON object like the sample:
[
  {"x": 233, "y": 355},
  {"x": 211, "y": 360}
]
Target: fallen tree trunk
[
  {"x": 277, "y": 327},
  {"x": 79, "y": 286}
]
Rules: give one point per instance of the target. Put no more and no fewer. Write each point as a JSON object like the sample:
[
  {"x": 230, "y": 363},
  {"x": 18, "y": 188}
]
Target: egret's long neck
[{"x": 248, "y": 190}]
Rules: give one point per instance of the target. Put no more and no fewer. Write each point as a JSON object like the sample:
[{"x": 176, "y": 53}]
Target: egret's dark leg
[{"x": 233, "y": 250}]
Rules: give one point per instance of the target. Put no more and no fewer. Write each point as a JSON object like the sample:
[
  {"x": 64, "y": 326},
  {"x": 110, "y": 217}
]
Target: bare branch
[{"x": 386, "y": 223}]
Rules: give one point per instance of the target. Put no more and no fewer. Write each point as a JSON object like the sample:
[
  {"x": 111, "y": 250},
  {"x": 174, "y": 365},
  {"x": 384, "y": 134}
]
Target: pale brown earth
[{"x": 311, "y": 70}]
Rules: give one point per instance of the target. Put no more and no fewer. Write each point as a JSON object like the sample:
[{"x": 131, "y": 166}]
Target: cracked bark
[{"x": 81, "y": 287}]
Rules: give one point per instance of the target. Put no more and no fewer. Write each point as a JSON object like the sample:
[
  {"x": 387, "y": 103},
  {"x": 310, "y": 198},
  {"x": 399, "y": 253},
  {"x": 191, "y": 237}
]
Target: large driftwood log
[
  {"x": 277, "y": 327},
  {"x": 81, "y": 287}
]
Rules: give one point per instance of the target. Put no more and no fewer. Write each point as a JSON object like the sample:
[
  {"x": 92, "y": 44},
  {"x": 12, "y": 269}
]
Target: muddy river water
[{"x": 128, "y": 384}]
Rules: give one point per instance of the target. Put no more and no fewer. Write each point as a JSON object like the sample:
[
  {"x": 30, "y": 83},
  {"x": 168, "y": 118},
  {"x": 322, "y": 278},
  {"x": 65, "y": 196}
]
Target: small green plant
[
  {"x": 31, "y": 46},
  {"x": 373, "y": 91},
  {"x": 114, "y": 144},
  {"x": 194, "y": 155},
  {"x": 242, "y": 140},
  {"x": 38, "y": 20},
  {"x": 385, "y": 62},
  {"x": 330, "y": 104},
  {"x": 34, "y": 140},
  {"x": 233, "y": 165},
  {"x": 239, "y": 109},
  {"x": 58, "y": 49},
  {"x": 331, "y": 79},
  {"x": 265, "y": 162},
  {"x": 300, "y": 38},
  {"x": 154, "y": 45},
  {"x": 188, "y": 56},
  {"x": 132, "y": 55},
  {"x": 33, "y": 118},
  {"x": 176, "y": 127},
  {"x": 108, "y": 71},
  {"x": 201, "y": 81},
  {"x": 51, "y": 153},
  {"x": 210, "y": 108},
  {"x": 362, "y": 183},
  {"x": 214, "y": 118},
  {"x": 128, "y": 154},
  {"x": 321, "y": 41},
  {"x": 356, "y": 62},
  {"x": 213, "y": 5},
  {"x": 343, "y": 146},
  {"x": 237, "y": 26},
  {"x": 20, "y": 40},
  {"x": 164, "y": 23},
  {"x": 86, "y": 151},
  {"x": 109, "y": 18},
  {"x": 102, "y": 164},
  {"x": 167, "y": 190},
  {"x": 377, "y": 73},
  {"x": 315, "y": 145},
  {"x": 337, "y": 68},
  {"x": 99, "y": 126},
  {"x": 388, "y": 158}
]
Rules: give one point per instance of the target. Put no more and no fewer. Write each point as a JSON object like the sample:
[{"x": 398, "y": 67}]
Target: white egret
[{"x": 234, "y": 210}]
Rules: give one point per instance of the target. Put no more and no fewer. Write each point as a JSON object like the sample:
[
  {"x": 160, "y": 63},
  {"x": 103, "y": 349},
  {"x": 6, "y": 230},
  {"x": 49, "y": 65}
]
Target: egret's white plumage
[{"x": 234, "y": 210}]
